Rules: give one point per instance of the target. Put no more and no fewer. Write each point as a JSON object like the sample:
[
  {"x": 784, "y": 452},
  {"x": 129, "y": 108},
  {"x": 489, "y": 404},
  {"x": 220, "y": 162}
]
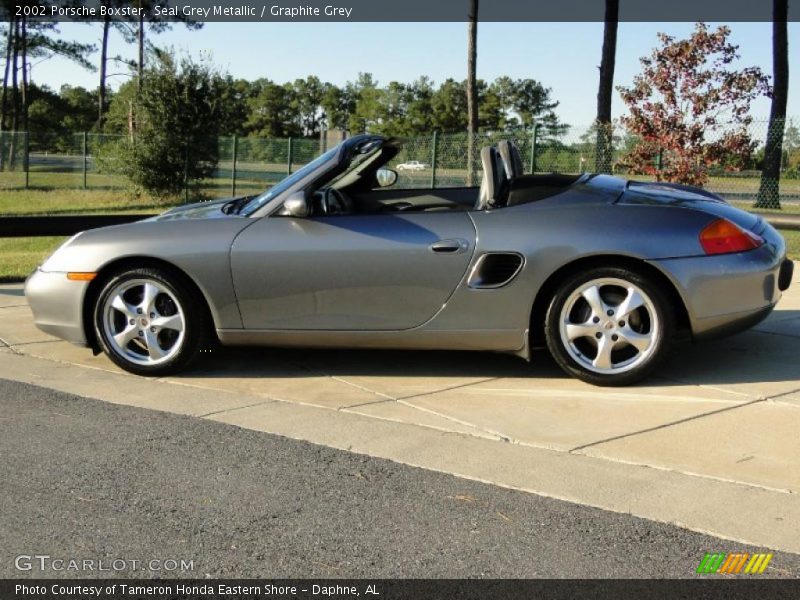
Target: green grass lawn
[
  {"x": 792, "y": 243},
  {"x": 67, "y": 202},
  {"x": 20, "y": 256}
]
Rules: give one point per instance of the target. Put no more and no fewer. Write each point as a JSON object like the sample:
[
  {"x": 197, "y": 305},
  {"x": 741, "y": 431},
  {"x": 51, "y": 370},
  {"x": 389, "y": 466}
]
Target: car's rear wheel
[
  {"x": 149, "y": 322},
  {"x": 609, "y": 326}
]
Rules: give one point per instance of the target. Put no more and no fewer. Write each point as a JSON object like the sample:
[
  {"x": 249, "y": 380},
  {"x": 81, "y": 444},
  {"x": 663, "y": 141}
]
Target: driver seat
[{"x": 494, "y": 182}]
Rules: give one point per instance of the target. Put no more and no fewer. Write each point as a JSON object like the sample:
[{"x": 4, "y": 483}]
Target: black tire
[
  {"x": 576, "y": 356},
  {"x": 177, "y": 295}
]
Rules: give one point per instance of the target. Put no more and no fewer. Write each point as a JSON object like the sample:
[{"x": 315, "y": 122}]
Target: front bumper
[{"x": 57, "y": 305}]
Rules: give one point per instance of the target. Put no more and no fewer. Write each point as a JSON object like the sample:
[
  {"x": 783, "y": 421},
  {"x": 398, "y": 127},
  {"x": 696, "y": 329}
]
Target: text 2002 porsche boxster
[{"x": 604, "y": 272}]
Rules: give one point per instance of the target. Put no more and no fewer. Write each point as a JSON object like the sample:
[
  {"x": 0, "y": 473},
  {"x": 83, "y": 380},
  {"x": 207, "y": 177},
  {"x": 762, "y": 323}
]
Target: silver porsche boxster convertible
[{"x": 606, "y": 273}]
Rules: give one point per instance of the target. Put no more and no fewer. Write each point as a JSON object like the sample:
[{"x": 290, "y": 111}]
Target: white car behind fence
[{"x": 412, "y": 165}]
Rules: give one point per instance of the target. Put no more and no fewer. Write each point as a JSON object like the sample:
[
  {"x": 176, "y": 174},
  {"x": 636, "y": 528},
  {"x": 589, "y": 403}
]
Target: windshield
[{"x": 284, "y": 184}]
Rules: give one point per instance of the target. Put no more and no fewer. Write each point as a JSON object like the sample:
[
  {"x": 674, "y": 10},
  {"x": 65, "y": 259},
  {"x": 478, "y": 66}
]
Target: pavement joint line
[
  {"x": 41, "y": 342},
  {"x": 622, "y": 461},
  {"x": 428, "y": 426},
  {"x": 235, "y": 408},
  {"x": 386, "y": 397},
  {"x": 170, "y": 380},
  {"x": 705, "y": 386},
  {"x": 345, "y": 409},
  {"x": 497, "y": 434},
  {"x": 173, "y": 381},
  {"x": 12, "y": 305},
  {"x": 448, "y": 389},
  {"x": 579, "y": 449},
  {"x": 5, "y": 344},
  {"x": 361, "y": 404},
  {"x": 345, "y": 381},
  {"x": 604, "y": 395},
  {"x": 777, "y": 397}
]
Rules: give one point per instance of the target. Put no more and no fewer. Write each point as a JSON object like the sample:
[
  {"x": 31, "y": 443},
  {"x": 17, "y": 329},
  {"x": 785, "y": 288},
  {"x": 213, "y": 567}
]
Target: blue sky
[{"x": 563, "y": 56}]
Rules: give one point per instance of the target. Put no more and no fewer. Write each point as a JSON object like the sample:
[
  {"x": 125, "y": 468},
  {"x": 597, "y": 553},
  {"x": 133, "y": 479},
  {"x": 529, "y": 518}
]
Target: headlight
[{"x": 43, "y": 266}]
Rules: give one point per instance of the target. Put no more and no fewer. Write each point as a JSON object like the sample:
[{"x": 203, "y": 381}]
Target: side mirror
[
  {"x": 385, "y": 177},
  {"x": 296, "y": 205}
]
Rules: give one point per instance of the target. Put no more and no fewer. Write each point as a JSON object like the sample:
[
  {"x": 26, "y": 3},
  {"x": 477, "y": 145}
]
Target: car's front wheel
[
  {"x": 609, "y": 326},
  {"x": 149, "y": 322}
]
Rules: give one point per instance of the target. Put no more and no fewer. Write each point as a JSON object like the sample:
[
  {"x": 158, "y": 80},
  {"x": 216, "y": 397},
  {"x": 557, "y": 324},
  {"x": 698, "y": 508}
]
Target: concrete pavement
[{"x": 710, "y": 443}]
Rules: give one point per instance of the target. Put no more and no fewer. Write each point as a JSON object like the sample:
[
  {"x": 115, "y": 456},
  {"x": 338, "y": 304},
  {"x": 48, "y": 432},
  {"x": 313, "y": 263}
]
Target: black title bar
[
  {"x": 710, "y": 587},
  {"x": 392, "y": 10}
]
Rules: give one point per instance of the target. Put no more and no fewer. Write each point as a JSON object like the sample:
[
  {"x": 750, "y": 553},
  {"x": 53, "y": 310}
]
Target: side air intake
[{"x": 495, "y": 270}]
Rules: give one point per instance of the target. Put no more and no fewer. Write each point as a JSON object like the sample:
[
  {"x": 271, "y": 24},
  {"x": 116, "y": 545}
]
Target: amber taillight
[{"x": 723, "y": 237}]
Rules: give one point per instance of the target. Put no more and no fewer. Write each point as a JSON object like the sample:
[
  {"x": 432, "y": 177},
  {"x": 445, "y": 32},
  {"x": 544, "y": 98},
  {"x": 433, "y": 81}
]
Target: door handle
[{"x": 454, "y": 246}]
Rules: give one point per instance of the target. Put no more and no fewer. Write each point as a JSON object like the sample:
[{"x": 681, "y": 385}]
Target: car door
[{"x": 350, "y": 272}]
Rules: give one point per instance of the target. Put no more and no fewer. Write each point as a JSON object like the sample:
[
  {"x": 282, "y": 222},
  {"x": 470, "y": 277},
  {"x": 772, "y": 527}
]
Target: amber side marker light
[
  {"x": 723, "y": 237},
  {"x": 76, "y": 276}
]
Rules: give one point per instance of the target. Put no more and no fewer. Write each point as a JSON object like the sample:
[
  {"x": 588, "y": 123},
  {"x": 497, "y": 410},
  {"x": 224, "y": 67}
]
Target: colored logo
[{"x": 734, "y": 564}]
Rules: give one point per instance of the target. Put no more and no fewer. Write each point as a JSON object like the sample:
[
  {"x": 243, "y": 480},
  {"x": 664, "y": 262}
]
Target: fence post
[
  {"x": 534, "y": 139},
  {"x": 434, "y": 151},
  {"x": 233, "y": 170},
  {"x": 85, "y": 159},
  {"x": 186, "y": 176},
  {"x": 26, "y": 160},
  {"x": 289, "y": 158}
]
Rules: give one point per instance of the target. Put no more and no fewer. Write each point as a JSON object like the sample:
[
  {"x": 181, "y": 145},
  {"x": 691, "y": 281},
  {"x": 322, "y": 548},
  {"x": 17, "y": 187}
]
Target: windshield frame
[{"x": 287, "y": 183}]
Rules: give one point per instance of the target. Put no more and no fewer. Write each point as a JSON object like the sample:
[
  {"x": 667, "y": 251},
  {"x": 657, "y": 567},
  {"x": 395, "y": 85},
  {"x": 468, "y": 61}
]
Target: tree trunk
[
  {"x": 140, "y": 61},
  {"x": 769, "y": 191},
  {"x": 606, "y": 88},
  {"x": 24, "y": 54},
  {"x": 101, "y": 96},
  {"x": 14, "y": 97},
  {"x": 4, "y": 101},
  {"x": 472, "y": 89}
]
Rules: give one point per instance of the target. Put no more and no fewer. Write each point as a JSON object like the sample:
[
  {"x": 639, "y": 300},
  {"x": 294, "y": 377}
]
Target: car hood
[
  {"x": 688, "y": 197},
  {"x": 200, "y": 210}
]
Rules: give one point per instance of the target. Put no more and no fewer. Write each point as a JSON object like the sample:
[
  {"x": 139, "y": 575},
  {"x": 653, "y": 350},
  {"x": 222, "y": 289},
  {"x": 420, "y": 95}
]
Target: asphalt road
[{"x": 88, "y": 480}]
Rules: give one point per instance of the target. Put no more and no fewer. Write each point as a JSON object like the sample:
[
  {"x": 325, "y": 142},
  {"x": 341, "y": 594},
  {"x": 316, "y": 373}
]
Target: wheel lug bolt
[
  {"x": 133, "y": 321},
  {"x": 614, "y": 337},
  {"x": 152, "y": 315},
  {"x": 610, "y": 312},
  {"x": 598, "y": 335},
  {"x": 622, "y": 323},
  {"x": 596, "y": 320},
  {"x": 141, "y": 333},
  {"x": 153, "y": 329},
  {"x": 138, "y": 311}
]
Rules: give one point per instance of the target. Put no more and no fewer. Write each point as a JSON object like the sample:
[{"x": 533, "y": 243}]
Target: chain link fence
[{"x": 248, "y": 165}]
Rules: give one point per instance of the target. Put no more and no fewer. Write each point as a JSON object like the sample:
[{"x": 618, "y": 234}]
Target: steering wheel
[{"x": 334, "y": 203}]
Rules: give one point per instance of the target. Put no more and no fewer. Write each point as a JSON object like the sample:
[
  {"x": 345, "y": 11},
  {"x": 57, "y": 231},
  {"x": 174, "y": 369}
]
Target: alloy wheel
[
  {"x": 144, "y": 322},
  {"x": 609, "y": 326}
]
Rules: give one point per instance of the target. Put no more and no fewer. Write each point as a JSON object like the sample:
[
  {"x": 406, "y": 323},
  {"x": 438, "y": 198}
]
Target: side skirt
[{"x": 507, "y": 340}]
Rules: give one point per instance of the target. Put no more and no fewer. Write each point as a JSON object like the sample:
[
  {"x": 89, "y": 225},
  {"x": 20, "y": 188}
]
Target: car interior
[{"x": 358, "y": 189}]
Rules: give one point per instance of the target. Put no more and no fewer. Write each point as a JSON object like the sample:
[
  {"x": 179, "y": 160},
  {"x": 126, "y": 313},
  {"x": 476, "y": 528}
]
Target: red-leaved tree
[{"x": 689, "y": 108}]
